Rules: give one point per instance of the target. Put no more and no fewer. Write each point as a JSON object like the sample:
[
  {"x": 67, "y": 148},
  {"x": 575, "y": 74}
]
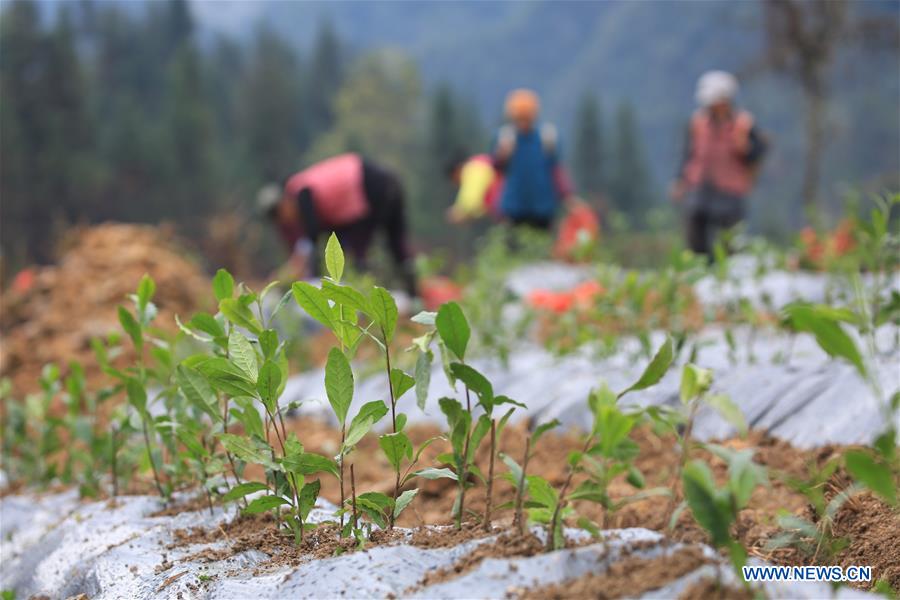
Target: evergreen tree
[
  {"x": 270, "y": 108},
  {"x": 630, "y": 186},
  {"x": 588, "y": 157},
  {"x": 325, "y": 78}
]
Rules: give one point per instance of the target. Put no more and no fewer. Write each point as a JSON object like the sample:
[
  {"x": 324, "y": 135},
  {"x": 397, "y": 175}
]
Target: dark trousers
[
  {"x": 708, "y": 211},
  {"x": 387, "y": 213}
]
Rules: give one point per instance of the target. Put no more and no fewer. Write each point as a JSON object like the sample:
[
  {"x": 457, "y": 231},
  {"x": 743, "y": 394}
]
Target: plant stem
[
  {"x": 150, "y": 457},
  {"x": 112, "y": 462},
  {"x": 291, "y": 478},
  {"x": 490, "y": 479},
  {"x": 353, "y": 493},
  {"x": 463, "y": 476},
  {"x": 685, "y": 442},
  {"x": 387, "y": 362},
  {"x": 518, "y": 521},
  {"x": 343, "y": 496},
  {"x": 561, "y": 501}
]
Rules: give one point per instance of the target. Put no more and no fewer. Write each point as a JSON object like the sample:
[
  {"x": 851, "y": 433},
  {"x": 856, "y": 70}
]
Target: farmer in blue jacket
[{"x": 525, "y": 151}]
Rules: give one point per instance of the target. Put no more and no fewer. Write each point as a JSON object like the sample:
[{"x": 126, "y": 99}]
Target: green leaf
[
  {"x": 707, "y": 506},
  {"x": 729, "y": 411},
  {"x": 423, "y": 377},
  {"x": 476, "y": 382},
  {"x": 307, "y": 463},
  {"x": 395, "y": 447},
  {"x": 657, "y": 368},
  {"x": 401, "y": 383},
  {"x": 248, "y": 449},
  {"x": 435, "y": 473},
  {"x": 146, "y": 289},
  {"x": 247, "y": 415},
  {"x": 208, "y": 324},
  {"x": 263, "y": 504},
  {"x": 345, "y": 296},
  {"x": 589, "y": 526},
  {"x": 400, "y": 421},
  {"x": 403, "y": 501},
  {"x": 384, "y": 311},
  {"x": 635, "y": 477},
  {"x": 239, "y": 491},
  {"x": 240, "y": 315},
  {"x": 197, "y": 391},
  {"x": 268, "y": 385},
  {"x": 226, "y": 377},
  {"x": 514, "y": 469},
  {"x": 453, "y": 328},
  {"x": 268, "y": 343},
  {"x": 307, "y": 497},
  {"x": 424, "y": 318},
  {"x": 825, "y": 326},
  {"x": 223, "y": 285},
  {"x": 694, "y": 382},
  {"x": 540, "y": 491},
  {"x": 132, "y": 328},
  {"x": 874, "y": 475},
  {"x": 542, "y": 429},
  {"x": 374, "y": 410},
  {"x": 334, "y": 258},
  {"x": 482, "y": 427},
  {"x": 242, "y": 354},
  {"x": 313, "y": 301},
  {"x": 339, "y": 384},
  {"x": 137, "y": 396}
]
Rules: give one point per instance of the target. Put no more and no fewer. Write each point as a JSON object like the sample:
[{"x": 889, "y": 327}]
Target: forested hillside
[{"x": 180, "y": 110}]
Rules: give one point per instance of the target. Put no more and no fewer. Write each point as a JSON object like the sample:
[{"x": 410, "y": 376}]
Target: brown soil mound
[{"x": 74, "y": 301}]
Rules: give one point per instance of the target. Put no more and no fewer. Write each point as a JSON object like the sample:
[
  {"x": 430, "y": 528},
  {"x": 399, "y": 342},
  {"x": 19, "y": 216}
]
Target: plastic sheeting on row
[
  {"x": 54, "y": 545},
  {"x": 777, "y": 382}
]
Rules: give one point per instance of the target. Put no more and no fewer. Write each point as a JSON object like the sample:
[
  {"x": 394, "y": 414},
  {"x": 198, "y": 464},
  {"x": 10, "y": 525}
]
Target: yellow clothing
[{"x": 475, "y": 179}]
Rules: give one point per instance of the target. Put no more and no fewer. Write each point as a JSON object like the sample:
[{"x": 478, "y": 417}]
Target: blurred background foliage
[{"x": 179, "y": 110}]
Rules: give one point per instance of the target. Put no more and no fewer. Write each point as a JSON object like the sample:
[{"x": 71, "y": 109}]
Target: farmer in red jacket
[
  {"x": 349, "y": 196},
  {"x": 721, "y": 156}
]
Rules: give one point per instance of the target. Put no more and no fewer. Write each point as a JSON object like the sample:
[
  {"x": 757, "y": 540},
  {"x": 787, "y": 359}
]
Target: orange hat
[{"x": 522, "y": 103}]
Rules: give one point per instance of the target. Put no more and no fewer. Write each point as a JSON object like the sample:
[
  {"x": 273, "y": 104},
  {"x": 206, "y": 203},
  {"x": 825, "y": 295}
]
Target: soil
[
  {"x": 625, "y": 578},
  {"x": 68, "y": 304},
  {"x": 261, "y": 533},
  {"x": 872, "y": 527},
  {"x": 507, "y": 545},
  {"x": 710, "y": 589}
]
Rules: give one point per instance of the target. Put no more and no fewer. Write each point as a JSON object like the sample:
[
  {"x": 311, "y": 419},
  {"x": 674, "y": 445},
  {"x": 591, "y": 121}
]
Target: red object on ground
[
  {"x": 580, "y": 297},
  {"x": 579, "y": 222},
  {"x": 23, "y": 281},
  {"x": 438, "y": 290}
]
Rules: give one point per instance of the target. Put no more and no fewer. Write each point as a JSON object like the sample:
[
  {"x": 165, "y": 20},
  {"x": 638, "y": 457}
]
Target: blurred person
[
  {"x": 347, "y": 195},
  {"x": 722, "y": 153},
  {"x": 479, "y": 187},
  {"x": 525, "y": 152}
]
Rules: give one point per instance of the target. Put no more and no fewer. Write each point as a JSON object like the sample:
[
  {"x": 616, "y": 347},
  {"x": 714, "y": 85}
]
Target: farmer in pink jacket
[
  {"x": 349, "y": 196},
  {"x": 721, "y": 157}
]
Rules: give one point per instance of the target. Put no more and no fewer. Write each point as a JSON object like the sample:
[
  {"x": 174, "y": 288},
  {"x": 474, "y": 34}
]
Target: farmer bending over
[{"x": 349, "y": 196}]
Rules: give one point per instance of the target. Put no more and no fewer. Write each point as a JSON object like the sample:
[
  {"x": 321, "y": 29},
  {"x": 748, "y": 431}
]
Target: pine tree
[
  {"x": 270, "y": 108},
  {"x": 630, "y": 186},
  {"x": 588, "y": 157},
  {"x": 326, "y": 74}
]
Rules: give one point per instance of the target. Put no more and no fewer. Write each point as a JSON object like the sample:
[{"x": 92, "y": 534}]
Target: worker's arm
[{"x": 679, "y": 186}]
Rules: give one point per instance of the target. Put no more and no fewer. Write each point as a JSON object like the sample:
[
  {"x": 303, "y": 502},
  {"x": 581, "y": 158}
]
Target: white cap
[
  {"x": 268, "y": 198},
  {"x": 716, "y": 86}
]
